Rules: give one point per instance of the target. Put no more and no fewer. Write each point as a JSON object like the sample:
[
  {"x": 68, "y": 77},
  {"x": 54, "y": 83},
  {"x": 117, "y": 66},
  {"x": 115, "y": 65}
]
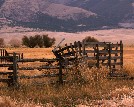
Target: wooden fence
[
  {"x": 8, "y": 61},
  {"x": 12, "y": 79},
  {"x": 103, "y": 53},
  {"x": 106, "y": 54}
]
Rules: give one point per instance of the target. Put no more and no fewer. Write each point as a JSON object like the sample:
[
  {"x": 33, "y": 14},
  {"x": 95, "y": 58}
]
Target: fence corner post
[{"x": 15, "y": 82}]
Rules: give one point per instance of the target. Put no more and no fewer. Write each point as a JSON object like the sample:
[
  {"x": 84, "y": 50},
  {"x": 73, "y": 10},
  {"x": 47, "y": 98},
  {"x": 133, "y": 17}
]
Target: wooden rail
[{"x": 103, "y": 53}]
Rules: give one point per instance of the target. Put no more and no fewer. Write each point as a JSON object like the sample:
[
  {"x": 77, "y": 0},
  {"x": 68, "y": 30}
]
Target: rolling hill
[{"x": 69, "y": 15}]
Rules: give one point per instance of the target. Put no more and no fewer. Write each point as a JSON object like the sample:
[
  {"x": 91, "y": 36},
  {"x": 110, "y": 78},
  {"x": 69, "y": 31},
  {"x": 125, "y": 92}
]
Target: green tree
[
  {"x": 25, "y": 41},
  {"x": 38, "y": 40},
  {"x": 32, "y": 41},
  {"x": 48, "y": 42},
  {"x": 90, "y": 39},
  {"x": 29, "y": 42}
]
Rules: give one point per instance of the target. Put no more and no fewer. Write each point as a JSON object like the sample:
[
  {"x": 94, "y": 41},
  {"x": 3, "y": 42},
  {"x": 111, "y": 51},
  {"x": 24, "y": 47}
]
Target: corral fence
[
  {"x": 102, "y": 53},
  {"x": 13, "y": 62}
]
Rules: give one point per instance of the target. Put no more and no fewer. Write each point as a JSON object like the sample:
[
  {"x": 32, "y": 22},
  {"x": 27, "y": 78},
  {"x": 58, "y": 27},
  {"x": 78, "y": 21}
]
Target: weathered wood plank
[
  {"x": 39, "y": 68},
  {"x": 68, "y": 48},
  {"x": 117, "y": 63},
  {"x": 109, "y": 58},
  {"x": 5, "y": 57},
  {"x": 115, "y": 45},
  {"x": 34, "y": 60},
  {"x": 97, "y": 56},
  {"x": 99, "y": 43},
  {"x": 6, "y": 73},
  {"x": 15, "y": 81},
  {"x": 115, "y": 51},
  {"x": 103, "y": 57},
  {"x": 90, "y": 51},
  {"x": 6, "y": 65},
  {"x": 115, "y": 57},
  {"x": 79, "y": 47},
  {"x": 5, "y": 80},
  {"x": 83, "y": 49},
  {"x": 103, "y": 51},
  {"x": 72, "y": 47},
  {"x": 76, "y": 48},
  {"x": 60, "y": 73},
  {"x": 90, "y": 58},
  {"x": 121, "y": 53}
]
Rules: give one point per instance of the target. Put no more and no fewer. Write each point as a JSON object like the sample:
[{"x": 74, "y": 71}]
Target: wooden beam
[
  {"x": 6, "y": 73},
  {"x": 15, "y": 82},
  {"x": 34, "y": 60}
]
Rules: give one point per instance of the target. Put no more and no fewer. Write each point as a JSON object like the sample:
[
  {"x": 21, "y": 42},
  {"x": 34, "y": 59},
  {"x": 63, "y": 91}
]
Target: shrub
[
  {"x": 29, "y": 42},
  {"x": 38, "y": 40},
  {"x": 2, "y": 43},
  {"x": 90, "y": 39},
  {"x": 15, "y": 42},
  {"x": 25, "y": 41},
  {"x": 32, "y": 42},
  {"x": 48, "y": 42}
]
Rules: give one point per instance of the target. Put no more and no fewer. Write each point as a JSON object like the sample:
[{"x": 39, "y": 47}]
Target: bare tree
[
  {"x": 14, "y": 42},
  {"x": 2, "y": 42}
]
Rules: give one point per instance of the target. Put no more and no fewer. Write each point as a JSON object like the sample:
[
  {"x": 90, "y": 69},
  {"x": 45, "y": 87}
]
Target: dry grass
[
  {"x": 111, "y": 35},
  {"x": 84, "y": 87}
]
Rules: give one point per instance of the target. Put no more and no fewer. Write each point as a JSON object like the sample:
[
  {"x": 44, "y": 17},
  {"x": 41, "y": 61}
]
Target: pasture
[{"x": 89, "y": 87}]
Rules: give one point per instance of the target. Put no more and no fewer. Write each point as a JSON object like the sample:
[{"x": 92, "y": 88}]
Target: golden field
[
  {"x": 111, "y": 35},
  {"x": 84, "y": 87},
  {"x": 90, "y": 89}
]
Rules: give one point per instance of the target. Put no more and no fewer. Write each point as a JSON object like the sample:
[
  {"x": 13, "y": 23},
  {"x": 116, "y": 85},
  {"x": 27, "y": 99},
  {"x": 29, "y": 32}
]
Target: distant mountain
[
  {"x": 1, "y": 2},
  {"x": 69, "y": 15},
  {"x": 26, "y": 10},
  {"x": 113, "y": 11},
  {"x": 44, "y": 14}
]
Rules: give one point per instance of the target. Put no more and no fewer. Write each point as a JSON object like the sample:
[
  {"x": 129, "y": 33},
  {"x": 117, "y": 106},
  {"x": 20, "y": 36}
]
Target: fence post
[
  {"x": 15, "y": 82},
  {"x": 97, "y": 56},
  {"x": 121, "y": 53},
  {"x": 83, "y": 48},
  {"x": 79, "y": 47},
  {"x": 109, "y": 58},
  {"x": 60, "y": 72}
]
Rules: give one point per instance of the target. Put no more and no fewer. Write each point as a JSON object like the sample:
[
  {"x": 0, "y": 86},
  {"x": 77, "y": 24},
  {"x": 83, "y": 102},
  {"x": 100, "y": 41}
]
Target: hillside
[
  {"x": 69, "y": 15},
  {"x": 44, "y": 14},
  {"x": 112, "y": 12},
  {"x": 24, "y": 10},
  {"x": 111, "y": 35}
]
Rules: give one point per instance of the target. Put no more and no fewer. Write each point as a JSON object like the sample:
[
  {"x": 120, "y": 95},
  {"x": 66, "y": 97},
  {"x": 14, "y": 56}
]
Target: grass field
[
  {"x": 91, "y": 88},
  {"x": 88, "y": 88}
]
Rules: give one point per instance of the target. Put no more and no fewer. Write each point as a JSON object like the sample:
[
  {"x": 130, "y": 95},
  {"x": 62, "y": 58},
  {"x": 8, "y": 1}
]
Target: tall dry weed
[{"x": 129, "y": 69}]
